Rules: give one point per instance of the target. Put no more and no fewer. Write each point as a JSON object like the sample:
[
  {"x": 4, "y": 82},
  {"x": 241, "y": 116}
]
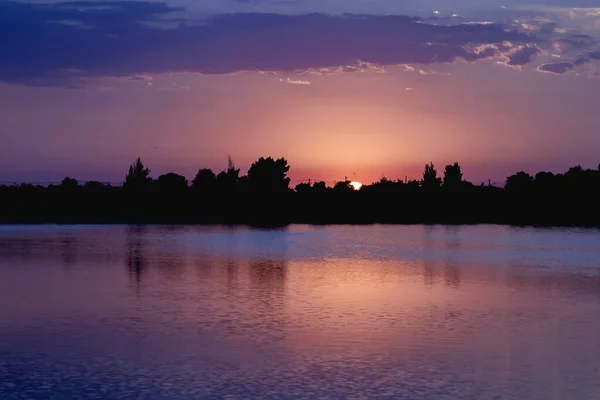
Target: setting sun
[{"x": 356, "y": 185}]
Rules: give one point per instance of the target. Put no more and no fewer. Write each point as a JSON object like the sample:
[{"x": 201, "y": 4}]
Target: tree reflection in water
[
  {"x": 452, "y": 247},
  {"x": 136, "y": 259}
]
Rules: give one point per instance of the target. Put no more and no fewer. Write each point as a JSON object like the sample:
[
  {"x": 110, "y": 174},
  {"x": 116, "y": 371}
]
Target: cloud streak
[
  {"x": 294, "y": 82},
  {"x": 124, "y": 39}
]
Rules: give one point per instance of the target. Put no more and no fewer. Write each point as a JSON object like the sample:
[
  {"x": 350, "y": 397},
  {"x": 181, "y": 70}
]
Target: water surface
[{"x": 181, "y": 312}]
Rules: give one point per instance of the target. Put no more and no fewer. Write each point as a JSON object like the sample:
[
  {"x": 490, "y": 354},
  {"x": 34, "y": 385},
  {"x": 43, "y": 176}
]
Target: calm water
[{"x": 415, "y": 312}]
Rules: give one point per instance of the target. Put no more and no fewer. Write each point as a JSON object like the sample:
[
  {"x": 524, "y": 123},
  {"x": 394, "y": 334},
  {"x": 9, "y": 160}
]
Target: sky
[{"x": 340, "y": 88}]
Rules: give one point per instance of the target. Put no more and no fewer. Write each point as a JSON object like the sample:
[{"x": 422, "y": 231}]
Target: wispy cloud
[
  {"x": 294, "y": 82},
  {"x": 71, "y": 22},
  {"x": 420, "y": 71},
  {"x": 359, "y": 66},
  {"x": 147, "y": 79}
]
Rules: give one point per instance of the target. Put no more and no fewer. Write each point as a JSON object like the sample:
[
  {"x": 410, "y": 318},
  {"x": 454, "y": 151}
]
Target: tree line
[{"x": 264, "y": 195}]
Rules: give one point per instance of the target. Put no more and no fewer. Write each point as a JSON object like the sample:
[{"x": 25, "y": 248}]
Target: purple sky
[{"x": 336, "y": 86}]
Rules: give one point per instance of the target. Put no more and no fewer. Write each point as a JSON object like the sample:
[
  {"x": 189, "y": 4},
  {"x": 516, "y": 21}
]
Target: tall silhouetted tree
[
  {"x": 269, "y": 175},
  {"x": 172, "y": 183},
  {"x": 138, "y": 176},
  {"x": 453, "y": 176},
  {"x": 430, "y": 179},
  {"x": 204, "y": 180},
  {"x": 227, "y": 180}
]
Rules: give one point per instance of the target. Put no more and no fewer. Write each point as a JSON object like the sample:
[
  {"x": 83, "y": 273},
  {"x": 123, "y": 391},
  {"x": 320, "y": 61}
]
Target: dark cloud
[
  {"x": 563, "y": 67},
  {"x": 557, "y": 68},
  {"x": 587, "y": 57},
  {"x": 67, "y": 42},
  {"x": 521, "y": 55},
  {"x": 564, "y": 45},
  {"x": 574, "y": 41}
]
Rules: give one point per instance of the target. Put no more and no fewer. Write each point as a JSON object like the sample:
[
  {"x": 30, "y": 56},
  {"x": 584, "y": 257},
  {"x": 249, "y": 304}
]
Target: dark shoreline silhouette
[{"x": 263, "y": 198}]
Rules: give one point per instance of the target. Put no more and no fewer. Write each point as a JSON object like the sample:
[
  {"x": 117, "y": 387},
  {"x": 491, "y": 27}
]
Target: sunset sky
[{"x": 337, "y": 87}]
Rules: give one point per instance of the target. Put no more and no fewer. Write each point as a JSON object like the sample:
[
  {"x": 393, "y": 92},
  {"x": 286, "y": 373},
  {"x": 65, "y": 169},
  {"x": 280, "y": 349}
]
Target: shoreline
[{"x": 258, "y": 225}]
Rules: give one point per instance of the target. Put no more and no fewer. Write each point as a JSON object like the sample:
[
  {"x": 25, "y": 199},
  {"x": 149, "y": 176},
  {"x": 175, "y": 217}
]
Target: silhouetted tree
[
  {"x": 269, "y": 175},
  {"x": 227, "y": 180},
  {"x": 570, "y": 198},
  {"x": 97, "y": 188},
  {"x": 205, "y": 180},
  {"x": 430, "y": 179},
  {"x": 138, "y": 176},
  {"x": 521, "y": 181},
  {"x": 581, "y": 181},
  {"x": 413, "y": 185},
  {"x": 544, "y": 176},
  {"x": 453, "y": 176},
  {"x": 172, "y": 182},
  {"x": 575, "y": 176},
  {"x": 320, "y": 187},
  {"x": 343, "y": 187},
  {"x": 384, "y": 185},
  {"x": 243, "y": 184},
  {"x": 94, "y": 186},
  {"x": 303, "y": 188},
  {"x": 544, "y": 181},
  {"x": 69, "y": 184}
]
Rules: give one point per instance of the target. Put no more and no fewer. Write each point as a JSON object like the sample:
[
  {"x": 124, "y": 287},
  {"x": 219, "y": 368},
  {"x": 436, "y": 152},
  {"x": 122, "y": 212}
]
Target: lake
[{"x": 387, "y": 312}]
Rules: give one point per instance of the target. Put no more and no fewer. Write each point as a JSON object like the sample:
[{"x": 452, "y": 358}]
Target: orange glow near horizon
[{"x": 361, "y": 125}]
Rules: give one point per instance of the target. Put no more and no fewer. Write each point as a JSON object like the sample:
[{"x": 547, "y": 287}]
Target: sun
[{"x": 356, "y": 185}]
